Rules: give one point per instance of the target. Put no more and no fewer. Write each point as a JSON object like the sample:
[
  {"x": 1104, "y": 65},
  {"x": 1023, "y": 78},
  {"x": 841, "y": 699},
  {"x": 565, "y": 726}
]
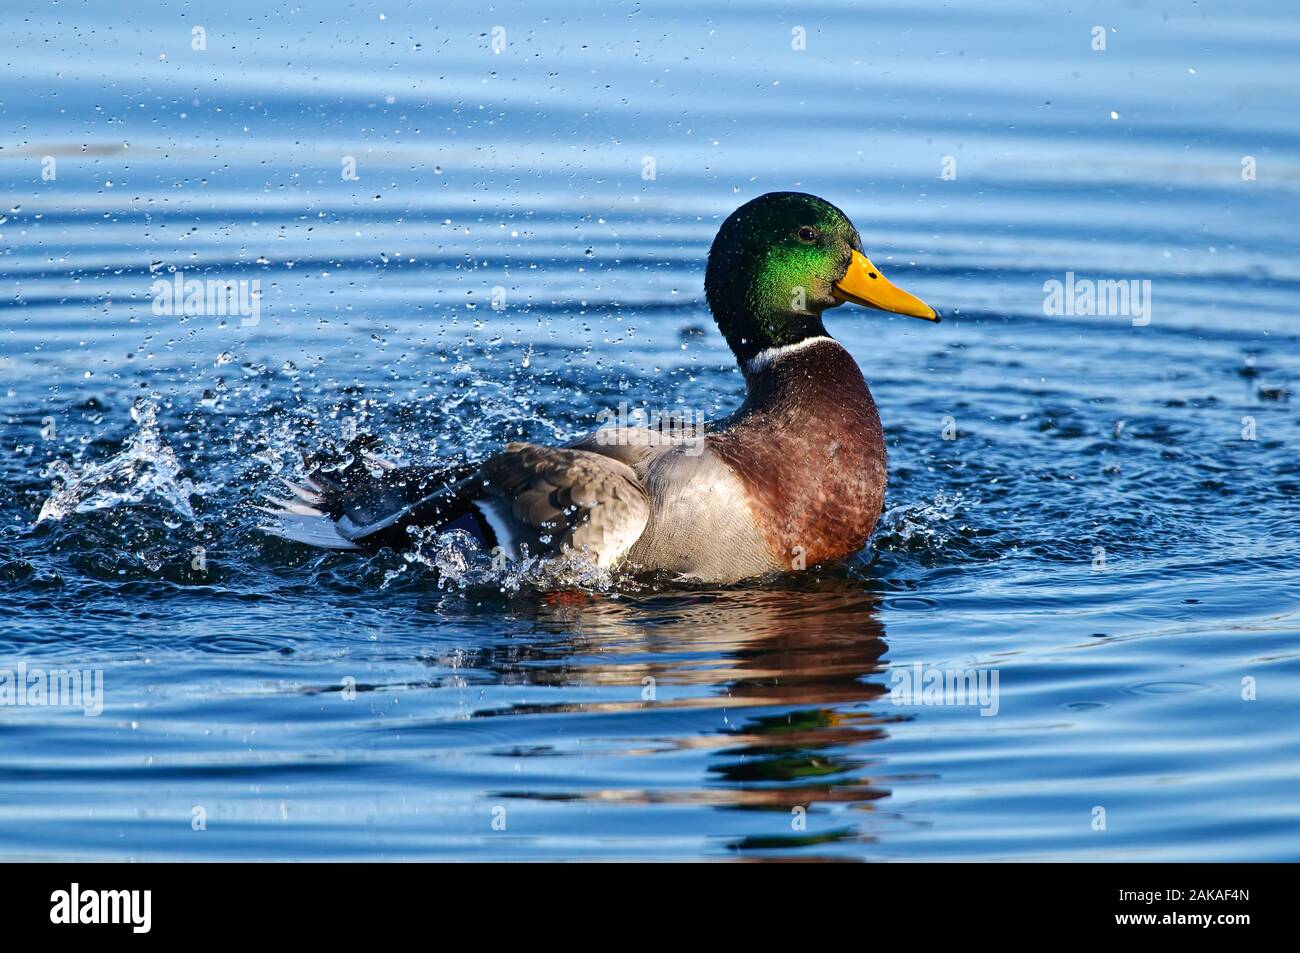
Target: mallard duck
[{"x": 795, "y": 477}]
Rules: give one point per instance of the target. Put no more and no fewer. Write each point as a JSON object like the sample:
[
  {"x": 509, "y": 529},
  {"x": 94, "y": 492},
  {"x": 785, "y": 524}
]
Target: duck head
[{"x": 782, "y": 259}]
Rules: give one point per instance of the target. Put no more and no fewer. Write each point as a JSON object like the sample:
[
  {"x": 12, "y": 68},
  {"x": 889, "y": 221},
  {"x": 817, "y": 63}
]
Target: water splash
[
  {"x": 461, "y": 564},
  {"x": 145, "y": 468},
  {"x": 923, "y": 527}
]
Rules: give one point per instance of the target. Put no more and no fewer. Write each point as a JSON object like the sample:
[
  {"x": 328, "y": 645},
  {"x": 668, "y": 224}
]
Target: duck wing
[
  {"x": 546, "y": 498},
  {"x": 556, "y": 498}
]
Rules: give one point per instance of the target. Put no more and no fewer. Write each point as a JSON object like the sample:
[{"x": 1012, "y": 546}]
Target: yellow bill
[{"x": 864, "y": 284}]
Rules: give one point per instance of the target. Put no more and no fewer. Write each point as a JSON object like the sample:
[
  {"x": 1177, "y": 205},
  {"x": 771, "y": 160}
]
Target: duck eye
[{"x": 807, "y": 234}]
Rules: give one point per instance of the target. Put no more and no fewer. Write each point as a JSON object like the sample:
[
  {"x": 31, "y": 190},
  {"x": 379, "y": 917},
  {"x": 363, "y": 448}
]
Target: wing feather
[{"x": 564, "y": 498}]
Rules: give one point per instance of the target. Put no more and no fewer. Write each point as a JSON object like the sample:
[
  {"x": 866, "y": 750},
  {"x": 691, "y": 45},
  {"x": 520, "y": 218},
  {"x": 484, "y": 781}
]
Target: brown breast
[{"x": 808, "y": 448}]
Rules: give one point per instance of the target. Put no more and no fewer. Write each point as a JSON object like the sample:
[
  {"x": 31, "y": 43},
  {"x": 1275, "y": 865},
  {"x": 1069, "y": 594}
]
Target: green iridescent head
[{"x": 782, "y": 259}]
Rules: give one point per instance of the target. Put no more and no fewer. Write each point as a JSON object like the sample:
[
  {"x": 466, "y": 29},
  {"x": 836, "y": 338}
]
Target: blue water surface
[{"x": 1102, "y": 512}]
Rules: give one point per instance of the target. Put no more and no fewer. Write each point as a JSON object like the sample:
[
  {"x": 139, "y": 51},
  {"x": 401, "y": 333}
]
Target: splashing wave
[{"x": 146, "y": 468}]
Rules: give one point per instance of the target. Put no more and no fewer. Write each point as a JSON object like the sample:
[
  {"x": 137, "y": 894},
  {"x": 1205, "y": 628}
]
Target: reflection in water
[{"x": 798, "y": 664}]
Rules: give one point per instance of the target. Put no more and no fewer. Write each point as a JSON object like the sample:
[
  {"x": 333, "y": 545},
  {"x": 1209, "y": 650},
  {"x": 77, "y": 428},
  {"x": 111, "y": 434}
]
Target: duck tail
[
  {"x": 302, "y": 519},
  {"x": 359, "y": 499}
]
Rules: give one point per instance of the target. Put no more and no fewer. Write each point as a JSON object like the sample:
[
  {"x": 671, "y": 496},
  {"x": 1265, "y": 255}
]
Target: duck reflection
[{"x": 790, "y": 671}]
